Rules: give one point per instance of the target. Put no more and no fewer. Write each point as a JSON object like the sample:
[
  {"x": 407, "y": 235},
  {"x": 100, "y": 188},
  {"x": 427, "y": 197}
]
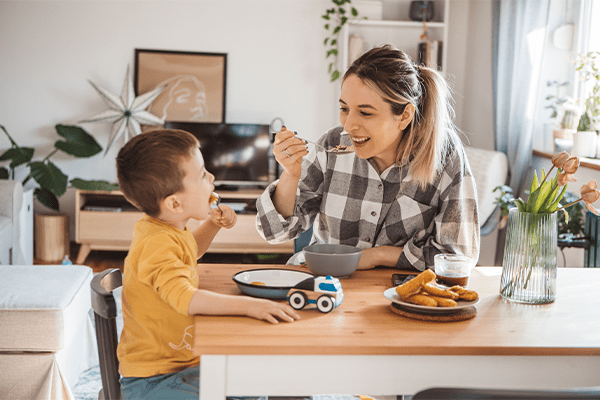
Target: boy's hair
[{"x": 149, "y": 167}]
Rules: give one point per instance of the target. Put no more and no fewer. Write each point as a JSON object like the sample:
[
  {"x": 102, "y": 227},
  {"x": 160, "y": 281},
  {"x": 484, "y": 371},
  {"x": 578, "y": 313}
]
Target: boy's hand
[
  {"x": 270, "y": 311},
  {"x": 223, "y": 216}
]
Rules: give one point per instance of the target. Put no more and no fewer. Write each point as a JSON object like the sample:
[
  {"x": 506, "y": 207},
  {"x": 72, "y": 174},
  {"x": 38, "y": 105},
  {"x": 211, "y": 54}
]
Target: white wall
[{"x": 276, "y": 65}]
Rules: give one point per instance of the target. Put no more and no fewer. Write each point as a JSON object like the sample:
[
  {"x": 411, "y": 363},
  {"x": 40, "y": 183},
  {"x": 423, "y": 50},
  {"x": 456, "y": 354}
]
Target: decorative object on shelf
[
  {"x": 336, "y": 17},
  {"x": 421, "y": 10},
  {"x": 127, "y": 112},
  {"x": 529, "y": 265},
  {"x": 195, "y": 84},
  {"x": 356, "y": 46},
  {"x": 52, "y": 182}
]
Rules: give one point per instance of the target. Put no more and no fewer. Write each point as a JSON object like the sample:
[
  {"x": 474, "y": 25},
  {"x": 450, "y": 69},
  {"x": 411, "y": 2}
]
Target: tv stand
[{"x": 105, "y": 221}]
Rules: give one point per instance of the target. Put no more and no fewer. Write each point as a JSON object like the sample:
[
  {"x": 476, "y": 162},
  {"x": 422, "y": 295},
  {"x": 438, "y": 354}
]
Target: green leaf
[
  {"x": 354, "y": 12},
  {"x": 343, "y": 20},
  {"x": 552, "y": 208},
  {"x": 49, "y": 177},
  {"x": 547, "y": 202},
  {"x": 326, "y": 16},
  {"x": 46, "y": 198},
  {"x": 337, "y": 30},
  {"x": 327, "y": 26},
  {"x": 335, "y": 75},
  {"x": 18, "y": 156},
  {"x": 4, "y": 174},
  {"x": 334, "y": 42},
  {"x": 541, "y": 198},
  {"x": 325, "y": 42},
  {"x": 521, "y": 205},
  {"x": 77, "y": 142},
  {"x": 534, "y": 183},
  {"x": 93, "y": 185}
]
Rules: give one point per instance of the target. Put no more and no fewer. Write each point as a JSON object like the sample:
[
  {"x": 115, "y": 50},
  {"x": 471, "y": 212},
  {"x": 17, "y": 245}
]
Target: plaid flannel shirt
[{"x": 350, "y": 203}]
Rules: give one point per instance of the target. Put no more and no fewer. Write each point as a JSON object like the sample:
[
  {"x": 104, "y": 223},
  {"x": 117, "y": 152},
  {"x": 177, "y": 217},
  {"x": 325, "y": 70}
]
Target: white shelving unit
[{"x": 398, "y": 29}]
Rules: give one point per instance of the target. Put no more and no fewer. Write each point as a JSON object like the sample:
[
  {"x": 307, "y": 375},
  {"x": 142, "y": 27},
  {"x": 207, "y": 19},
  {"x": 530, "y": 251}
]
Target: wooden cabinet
[
  {"x": 105, "y": 221},
  {"x": 398, "y": 29}
]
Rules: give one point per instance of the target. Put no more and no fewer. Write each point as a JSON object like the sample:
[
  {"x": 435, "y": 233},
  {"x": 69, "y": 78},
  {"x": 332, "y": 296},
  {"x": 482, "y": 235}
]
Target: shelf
[{"x": 396, "y": 24}]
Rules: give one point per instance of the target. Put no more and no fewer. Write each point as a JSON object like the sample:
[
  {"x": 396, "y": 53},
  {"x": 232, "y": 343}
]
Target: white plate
[
  {"x": 275, "y": 282},
  {"x": 391, "y": 294}
]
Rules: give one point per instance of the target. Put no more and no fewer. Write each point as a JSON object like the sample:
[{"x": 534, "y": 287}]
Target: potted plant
[
  {"x": 585, "y": 140},
  {"x": 52, "y": 182}
]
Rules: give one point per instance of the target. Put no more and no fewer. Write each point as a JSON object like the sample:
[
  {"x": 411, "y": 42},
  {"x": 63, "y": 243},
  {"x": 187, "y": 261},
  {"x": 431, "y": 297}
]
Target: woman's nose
[{"x": 350, "y": 123}]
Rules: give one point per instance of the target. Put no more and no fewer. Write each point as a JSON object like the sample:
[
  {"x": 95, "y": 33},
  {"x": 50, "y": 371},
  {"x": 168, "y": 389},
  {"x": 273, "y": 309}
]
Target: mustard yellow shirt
[{"x": 159, "y": 280}]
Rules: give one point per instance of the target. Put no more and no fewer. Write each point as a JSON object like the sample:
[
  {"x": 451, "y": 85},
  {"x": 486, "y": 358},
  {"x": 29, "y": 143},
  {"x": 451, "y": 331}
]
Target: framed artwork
[{"x": 195, "y": 84}]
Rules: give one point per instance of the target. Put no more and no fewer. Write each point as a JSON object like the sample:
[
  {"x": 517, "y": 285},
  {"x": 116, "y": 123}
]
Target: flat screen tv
[{"x": 236, "y": 154}]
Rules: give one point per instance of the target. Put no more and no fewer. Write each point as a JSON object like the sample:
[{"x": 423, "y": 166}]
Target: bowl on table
[{"x": 337, "y": 260}]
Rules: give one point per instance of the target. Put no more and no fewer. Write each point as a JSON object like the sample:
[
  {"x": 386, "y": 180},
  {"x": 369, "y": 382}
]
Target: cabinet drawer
[{"x": 107, "y": 226}]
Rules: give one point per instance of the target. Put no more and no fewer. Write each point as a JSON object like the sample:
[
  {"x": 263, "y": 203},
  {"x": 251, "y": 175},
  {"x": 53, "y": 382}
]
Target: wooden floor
[{"x": 101, "y": 260}]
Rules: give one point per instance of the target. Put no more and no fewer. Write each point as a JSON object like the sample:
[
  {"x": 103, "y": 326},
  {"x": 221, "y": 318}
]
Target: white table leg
[{"x": 213, "y": 377}]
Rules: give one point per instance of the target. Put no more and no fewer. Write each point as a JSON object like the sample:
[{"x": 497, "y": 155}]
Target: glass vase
[{"x": 529, "y": 265}]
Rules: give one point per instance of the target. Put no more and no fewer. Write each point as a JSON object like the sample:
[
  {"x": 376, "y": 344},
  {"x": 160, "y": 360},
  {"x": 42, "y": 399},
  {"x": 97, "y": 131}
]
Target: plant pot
[
  {"x": 529, "y": 265},
  {"x": 51, "y": 237},
  {"x": 584, "y": 143}
]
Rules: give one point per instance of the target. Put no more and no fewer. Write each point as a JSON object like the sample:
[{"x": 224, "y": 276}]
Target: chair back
[
  {"x": 105, "y": 313},
  {"x": 507, "y": 394}
]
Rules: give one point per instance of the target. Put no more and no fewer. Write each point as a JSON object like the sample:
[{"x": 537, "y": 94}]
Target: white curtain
[{"x": 519, "y": 43}]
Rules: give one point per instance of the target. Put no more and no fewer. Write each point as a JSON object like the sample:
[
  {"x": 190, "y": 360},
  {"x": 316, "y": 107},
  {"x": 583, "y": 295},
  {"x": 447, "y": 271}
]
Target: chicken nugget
[
  {"x": 422, "y": 300},
  {"x": 464, "y": 294},
  {"x": 444, "y": 302},
  {"x": 437, "y": 291},
  {"x": 414, "y": 285}
]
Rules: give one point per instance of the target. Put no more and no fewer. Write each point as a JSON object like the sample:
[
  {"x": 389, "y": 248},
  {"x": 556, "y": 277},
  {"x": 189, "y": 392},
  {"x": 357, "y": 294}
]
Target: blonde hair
[{"x": 431, "y": 135}]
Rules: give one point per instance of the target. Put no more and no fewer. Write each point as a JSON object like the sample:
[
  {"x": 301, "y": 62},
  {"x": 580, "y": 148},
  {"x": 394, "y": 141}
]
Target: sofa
[
  {"x": 47, "y": 337},
  {"x": 11, "y": 199}
]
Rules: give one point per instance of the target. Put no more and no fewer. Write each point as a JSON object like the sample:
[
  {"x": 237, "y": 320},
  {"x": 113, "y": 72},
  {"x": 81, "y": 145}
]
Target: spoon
[
  {"x": 335, "y": 150},
  {"x": 216, "y": 199}
]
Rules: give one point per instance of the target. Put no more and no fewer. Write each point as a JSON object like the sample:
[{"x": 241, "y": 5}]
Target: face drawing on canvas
[{"x": 183, "y": 100}]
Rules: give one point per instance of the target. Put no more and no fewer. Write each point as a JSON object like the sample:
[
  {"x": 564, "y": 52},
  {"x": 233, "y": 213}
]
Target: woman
[{"x": 404, "y": 195}]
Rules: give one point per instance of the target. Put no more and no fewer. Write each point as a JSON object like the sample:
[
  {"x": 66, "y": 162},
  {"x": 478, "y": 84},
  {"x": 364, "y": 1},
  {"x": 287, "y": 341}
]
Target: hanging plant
[{"x": 336, "y": 17}]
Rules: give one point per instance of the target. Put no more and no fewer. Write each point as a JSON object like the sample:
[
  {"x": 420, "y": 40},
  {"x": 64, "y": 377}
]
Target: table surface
[{"x": 364, "y": 324}]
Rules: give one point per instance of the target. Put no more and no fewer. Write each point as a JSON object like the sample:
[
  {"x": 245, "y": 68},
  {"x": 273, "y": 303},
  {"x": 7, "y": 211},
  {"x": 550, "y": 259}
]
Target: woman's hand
[
  {"x": 288, "y": 151},
  {"x": 385, "y": 256},
  {"x": 223, "y": 216}
]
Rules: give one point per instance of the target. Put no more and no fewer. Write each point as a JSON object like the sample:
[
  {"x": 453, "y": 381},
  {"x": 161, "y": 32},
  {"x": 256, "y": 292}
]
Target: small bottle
[{"x": 66, "y": 261}]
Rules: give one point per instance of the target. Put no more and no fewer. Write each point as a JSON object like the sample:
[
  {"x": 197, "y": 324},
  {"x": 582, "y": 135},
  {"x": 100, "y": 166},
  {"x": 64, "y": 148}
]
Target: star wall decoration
[{"x": 127, "y": 113}]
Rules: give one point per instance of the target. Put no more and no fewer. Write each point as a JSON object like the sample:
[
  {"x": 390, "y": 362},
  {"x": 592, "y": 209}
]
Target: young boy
[{"x": 162, "y": 173}]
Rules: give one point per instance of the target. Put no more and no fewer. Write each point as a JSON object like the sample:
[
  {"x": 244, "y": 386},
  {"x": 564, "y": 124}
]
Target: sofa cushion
[{"x": 41, "y": 306}]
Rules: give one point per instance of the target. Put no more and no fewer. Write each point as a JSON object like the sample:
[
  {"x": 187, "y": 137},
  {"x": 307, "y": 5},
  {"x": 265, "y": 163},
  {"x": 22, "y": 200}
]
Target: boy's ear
[{"x": 172, "y": 204}]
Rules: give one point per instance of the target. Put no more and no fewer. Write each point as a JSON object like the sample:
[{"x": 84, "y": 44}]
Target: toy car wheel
[
  {"x": 297, "y": 300},
  {"x": 325, "y": 304}
]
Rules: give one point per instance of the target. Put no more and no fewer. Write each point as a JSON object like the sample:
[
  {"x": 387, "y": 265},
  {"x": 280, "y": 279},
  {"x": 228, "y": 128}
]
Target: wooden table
[{"x": 363, "y": 347}]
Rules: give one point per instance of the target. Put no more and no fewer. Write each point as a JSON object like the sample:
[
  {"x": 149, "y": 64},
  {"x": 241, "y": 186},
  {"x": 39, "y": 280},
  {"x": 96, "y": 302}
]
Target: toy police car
[{"x": 324, "y": 291}]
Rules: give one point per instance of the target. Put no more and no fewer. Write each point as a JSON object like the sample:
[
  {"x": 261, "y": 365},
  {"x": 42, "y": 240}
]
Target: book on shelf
[{"x": 430, "y": 54}]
